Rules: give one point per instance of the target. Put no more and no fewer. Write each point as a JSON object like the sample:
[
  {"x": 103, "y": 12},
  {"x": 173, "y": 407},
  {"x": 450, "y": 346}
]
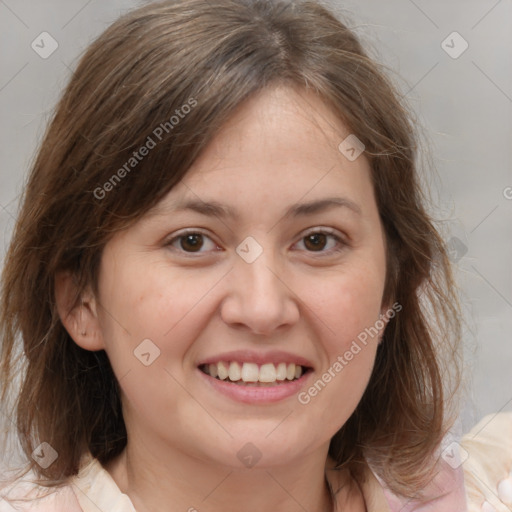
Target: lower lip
[{"x": 254, "y": 394}]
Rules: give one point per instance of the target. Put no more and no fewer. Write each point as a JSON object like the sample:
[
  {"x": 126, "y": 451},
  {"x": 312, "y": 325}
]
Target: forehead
[
  {"x": 280, "y": 147},
  {"x": 288, "y": 123}
]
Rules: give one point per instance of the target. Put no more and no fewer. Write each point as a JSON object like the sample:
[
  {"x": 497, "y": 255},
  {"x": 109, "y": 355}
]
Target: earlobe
[{"x": 78, "y": 316}]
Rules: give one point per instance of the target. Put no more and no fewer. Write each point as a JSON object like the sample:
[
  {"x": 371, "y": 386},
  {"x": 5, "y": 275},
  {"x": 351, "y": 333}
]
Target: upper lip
[{"x": 250, "y": 356}]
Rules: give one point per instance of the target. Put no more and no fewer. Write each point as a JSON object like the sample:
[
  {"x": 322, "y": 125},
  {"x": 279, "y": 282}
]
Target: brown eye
[
  {"x": 315, "y": 241},
  {"x": 191, "y": 242},
  {"x": 323, "y": 242}
]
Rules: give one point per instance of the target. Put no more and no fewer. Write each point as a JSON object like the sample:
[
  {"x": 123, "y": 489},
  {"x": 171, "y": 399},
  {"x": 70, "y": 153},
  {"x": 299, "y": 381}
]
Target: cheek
[
  {"x": 144, "y": 299},
  {"x": 347, "y": 310},
  {"x": 348, "y": 304},
  {"x": 143, "y": 321}
]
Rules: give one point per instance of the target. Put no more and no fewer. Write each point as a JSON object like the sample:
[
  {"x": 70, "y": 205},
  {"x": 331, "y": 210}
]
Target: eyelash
[{"x": 324, "y": 231}]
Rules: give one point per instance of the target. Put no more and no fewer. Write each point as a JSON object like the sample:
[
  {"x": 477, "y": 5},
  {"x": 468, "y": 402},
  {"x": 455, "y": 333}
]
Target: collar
[{"x": 96, "y": 490}]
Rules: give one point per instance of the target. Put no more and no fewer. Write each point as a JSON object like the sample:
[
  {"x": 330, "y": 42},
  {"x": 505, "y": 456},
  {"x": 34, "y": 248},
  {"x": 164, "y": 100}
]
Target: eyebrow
[{"x": 213, "y": 208}]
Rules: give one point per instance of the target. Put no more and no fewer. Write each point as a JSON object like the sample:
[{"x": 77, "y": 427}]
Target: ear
[{"x": 79, "y": 317}]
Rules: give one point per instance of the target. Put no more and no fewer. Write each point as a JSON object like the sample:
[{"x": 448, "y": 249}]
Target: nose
[{"x": 258, "y": 298}]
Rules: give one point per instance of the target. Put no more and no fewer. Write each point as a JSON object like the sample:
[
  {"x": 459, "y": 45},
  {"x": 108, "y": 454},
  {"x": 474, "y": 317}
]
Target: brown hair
[{"x": 132, "y": 79}]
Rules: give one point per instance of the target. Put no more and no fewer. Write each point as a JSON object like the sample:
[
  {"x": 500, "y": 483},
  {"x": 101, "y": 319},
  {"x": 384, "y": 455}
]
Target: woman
[{"x": 237, "y": 297}]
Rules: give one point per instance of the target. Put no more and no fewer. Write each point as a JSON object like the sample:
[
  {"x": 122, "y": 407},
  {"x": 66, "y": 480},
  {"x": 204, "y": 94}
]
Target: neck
[{"x": 178, "y": 482}]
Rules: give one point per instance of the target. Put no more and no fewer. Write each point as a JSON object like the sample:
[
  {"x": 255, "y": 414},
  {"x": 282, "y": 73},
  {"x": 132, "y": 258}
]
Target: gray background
[{"x": 464, "y": 105}]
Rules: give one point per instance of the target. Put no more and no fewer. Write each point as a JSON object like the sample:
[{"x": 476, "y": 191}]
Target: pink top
[
  {"x": 479, "y": 468},
  {"x": 94, "y": 490},
  {"x": 488, "y": 464}
]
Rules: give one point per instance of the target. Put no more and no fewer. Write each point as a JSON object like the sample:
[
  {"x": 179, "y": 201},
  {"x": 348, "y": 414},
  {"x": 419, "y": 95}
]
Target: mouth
[{"x": 255, "y": 375}]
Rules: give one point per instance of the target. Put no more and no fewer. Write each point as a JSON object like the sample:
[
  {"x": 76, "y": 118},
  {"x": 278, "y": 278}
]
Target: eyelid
[
  {"x": 320, "y": 229},
  {"x": 340, "y": 239},
  {"x": 183, "y": 233}
]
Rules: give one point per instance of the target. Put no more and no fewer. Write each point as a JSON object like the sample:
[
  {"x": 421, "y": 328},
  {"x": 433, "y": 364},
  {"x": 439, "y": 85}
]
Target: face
[{"x": 266, "y": 263}]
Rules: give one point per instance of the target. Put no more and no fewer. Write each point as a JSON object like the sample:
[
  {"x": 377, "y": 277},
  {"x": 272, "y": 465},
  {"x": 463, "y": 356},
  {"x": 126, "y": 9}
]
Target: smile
[{"x": 253, "y": 374}]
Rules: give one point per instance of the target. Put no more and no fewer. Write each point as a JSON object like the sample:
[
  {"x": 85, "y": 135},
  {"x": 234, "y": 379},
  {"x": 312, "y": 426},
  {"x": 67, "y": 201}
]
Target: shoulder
[
  {"x": 26, "y": 496},
  {"x": 92, "y": 489},
  {"x": 487, "y": 450},
  {"x": 445, "y": 493}
]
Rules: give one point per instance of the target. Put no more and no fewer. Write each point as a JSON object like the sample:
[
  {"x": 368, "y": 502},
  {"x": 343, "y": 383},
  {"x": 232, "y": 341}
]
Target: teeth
[
  {"x": 281, "y": 371},
  {"x": 267, "y": 373},
  {"x": 253, "y": 374},
  {"x": 235, "y": 372},
  {"x": 212, "y": 368},
  {"x": 222, "y": 370},
  {"x": 250, "y": 372}
]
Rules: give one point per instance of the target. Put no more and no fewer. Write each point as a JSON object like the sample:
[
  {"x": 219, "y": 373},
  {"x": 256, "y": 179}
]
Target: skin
[{"x": 279, "y": 149}]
